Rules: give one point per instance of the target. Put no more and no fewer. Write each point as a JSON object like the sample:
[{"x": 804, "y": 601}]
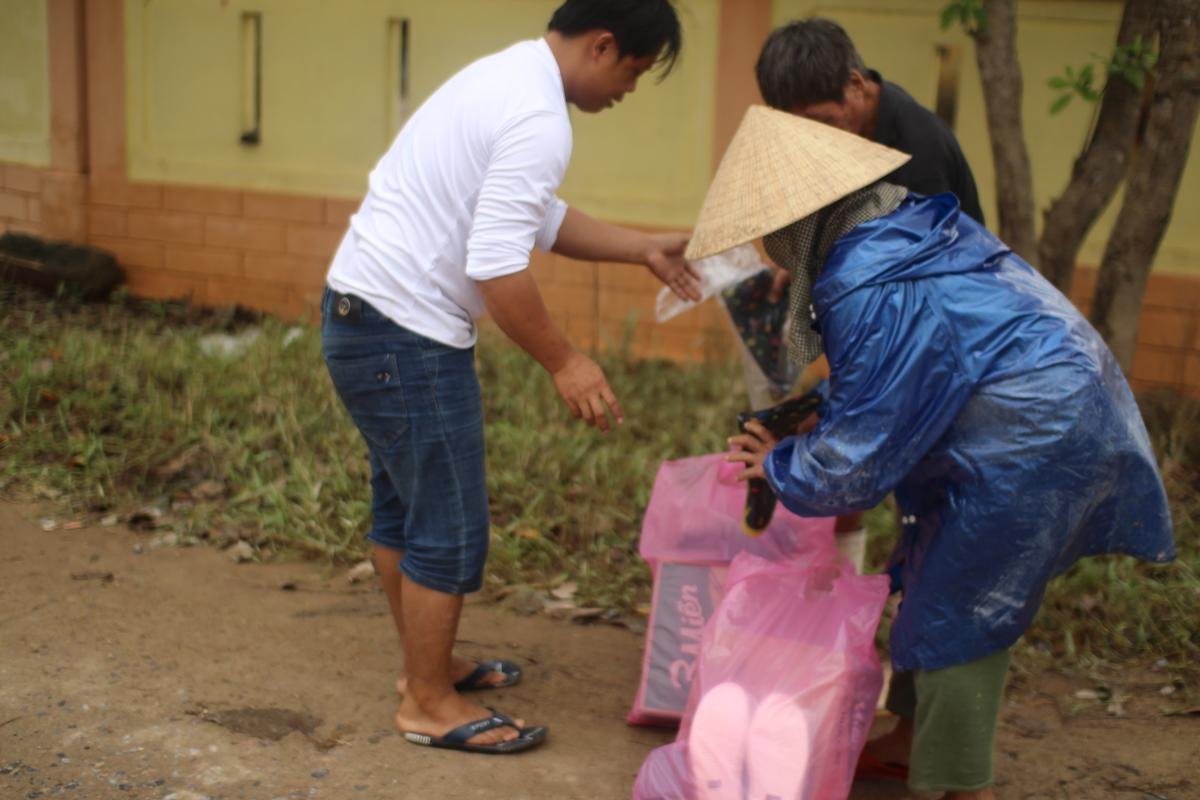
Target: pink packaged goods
[
  {"x": 685, "y": 596},
  {"x": 784, "y": 690},
  {"x": 691, "y": 532}
]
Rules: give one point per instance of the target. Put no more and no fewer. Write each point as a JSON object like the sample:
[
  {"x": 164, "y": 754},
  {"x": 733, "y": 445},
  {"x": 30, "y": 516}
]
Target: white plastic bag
[{"x": 716, "y": 274}]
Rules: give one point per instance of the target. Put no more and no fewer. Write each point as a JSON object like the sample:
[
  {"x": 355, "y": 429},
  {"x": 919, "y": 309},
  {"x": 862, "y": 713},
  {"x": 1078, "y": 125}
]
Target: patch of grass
[
  {"x": 109, "y": 408},
  {"x": 1115, "y": 606}
]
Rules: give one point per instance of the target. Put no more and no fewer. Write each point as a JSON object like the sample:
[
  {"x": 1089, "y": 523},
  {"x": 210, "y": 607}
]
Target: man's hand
[
  {"x": 517, "y": 307},
  {"x": 588, "y": 239},
  {"x": 752, "y": 449},
  {"x": 664, "y": 257},
  {"x": 582, "y": 385}
]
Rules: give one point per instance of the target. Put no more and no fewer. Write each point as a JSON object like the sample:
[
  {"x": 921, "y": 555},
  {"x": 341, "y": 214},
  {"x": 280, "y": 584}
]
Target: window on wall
[
  {"x": 251, "y": 78},
  {"x": 397, "y": 82},
  {"x": 949, "y": 68}
]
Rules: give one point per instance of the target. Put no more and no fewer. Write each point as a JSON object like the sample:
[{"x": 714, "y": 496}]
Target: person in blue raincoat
[{"x": 964, "y": 382}]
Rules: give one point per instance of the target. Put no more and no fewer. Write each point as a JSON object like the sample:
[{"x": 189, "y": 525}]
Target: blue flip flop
[
  {"x": 475, "y": 681},
  {"x": 457, "y": 738}
]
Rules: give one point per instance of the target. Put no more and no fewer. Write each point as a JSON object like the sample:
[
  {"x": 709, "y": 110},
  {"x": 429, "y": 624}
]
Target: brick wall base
[{"x": 270, "y": 251}]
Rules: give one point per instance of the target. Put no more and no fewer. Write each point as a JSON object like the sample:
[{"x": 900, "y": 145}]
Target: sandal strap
[
  {"x": 483, "y": 668},
  {"x": 463, "y": 733}
]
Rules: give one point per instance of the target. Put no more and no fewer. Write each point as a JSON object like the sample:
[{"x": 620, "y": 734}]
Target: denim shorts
[{"x": 416, "y": 402}]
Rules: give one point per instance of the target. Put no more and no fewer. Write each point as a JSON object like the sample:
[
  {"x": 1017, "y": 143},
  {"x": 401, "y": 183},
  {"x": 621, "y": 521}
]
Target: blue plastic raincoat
[{"x": 965, "y": 382}]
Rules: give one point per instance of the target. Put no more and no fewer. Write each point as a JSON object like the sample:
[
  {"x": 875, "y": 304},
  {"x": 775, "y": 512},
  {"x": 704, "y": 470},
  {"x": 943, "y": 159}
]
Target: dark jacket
[{"x": 937, "y": 163}]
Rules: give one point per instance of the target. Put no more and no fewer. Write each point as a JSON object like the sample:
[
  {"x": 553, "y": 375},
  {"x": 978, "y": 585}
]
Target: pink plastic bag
[
  {"x": 785, "y": 689},
  {"x": 691, "y": 531}
]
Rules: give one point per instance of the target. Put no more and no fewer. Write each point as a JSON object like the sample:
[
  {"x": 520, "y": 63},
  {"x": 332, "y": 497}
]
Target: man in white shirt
[{"x": 444, "y": 235}]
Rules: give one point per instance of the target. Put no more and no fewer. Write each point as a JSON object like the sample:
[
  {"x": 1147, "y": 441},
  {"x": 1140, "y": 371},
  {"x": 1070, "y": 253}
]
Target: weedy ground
[{"x": 223, "y": 426}]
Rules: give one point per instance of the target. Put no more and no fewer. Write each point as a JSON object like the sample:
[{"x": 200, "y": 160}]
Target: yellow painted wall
[
  {"x": 326, "y": 112},
  {"x": 899, "y": 37},
  {"x": 24, "y": 83}
]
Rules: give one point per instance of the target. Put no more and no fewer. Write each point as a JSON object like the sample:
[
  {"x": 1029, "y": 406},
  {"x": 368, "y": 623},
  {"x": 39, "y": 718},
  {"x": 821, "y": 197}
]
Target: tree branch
[
  {"x": 996, "y": 54},
  {"x": 1099, "y": 169},
  {"x": 1154, "y": 179}
]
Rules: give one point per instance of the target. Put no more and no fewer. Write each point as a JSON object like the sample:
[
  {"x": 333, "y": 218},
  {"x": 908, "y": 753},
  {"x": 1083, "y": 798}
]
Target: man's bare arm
[
  {"x": 514, "y": 302},
  {"x": 590, "y": 239}
]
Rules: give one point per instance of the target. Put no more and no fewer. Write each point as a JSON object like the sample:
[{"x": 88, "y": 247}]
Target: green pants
[{"x": 954, "y": 713}]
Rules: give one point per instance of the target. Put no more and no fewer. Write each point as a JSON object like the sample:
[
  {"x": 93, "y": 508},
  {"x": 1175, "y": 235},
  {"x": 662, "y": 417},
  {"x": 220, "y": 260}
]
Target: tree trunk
[
  {"x": 996, "y": 53},
  {"x": 1153, "y": 180},
  {"x": 1101, "y": 166}
]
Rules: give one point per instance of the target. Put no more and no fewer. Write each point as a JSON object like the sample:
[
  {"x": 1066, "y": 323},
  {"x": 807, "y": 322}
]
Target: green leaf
[
  {"x": 1059, "y": 104},
  {"x": 948, "y": 15},
  {"x": 1058, "y": 82}
]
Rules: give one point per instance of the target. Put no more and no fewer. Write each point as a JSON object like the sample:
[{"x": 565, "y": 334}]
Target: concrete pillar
[
  {"x": 744, "y": 25},
  {"x": 64, "y": 184}
]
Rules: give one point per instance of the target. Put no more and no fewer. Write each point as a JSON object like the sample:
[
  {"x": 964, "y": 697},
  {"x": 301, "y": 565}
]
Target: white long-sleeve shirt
[{"x": 465, "y": 192}]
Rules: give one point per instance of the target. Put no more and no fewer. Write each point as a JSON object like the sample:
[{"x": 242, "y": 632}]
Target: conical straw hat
[{"x": 778, "y": 169}]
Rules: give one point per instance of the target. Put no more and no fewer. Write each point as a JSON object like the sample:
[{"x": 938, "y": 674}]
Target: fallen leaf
[
  {"x": 526, "y": 600},
  {"x": 529, "y": 534},
  {"x": 145, "y": 519},
  {"x": 73, "y": 525},
  {"x": 559, "y": 608},
  {"x": 226, "y": 534},
  {"x": 583, "y": 616},
  {"x": 208, "y": 490},
  {"x": 566, "y": 591},
  {"x": 362, "y": 571},
  {"x": 241, "y": 552},
  {"x": 292, "y": 335},
  {"x": 163, "y": 540},
  {"x": 1184, "y": 712},
  {"x": 92, "y": 575},
  {"x": 176, "y": 465}
]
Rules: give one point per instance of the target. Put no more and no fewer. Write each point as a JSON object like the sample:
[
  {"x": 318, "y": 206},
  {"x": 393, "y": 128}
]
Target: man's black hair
[
  {"x": 641, "y": 27},
  {"x": 804, "y": 62}
]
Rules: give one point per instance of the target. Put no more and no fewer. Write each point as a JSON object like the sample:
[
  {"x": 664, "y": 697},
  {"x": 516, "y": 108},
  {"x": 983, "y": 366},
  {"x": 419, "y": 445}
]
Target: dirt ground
[{"x": 174, "y": 673}]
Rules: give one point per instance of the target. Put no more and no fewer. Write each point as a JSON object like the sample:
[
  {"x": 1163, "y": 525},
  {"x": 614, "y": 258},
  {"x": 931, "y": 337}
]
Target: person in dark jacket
[
  {"x": 961, "y": 380},
  {"x": 811, "y": 68}
]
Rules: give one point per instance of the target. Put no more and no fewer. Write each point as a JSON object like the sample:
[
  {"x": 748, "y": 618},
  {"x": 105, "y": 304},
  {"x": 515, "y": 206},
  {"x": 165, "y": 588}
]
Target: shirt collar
[{"x": 547, "y": 55}]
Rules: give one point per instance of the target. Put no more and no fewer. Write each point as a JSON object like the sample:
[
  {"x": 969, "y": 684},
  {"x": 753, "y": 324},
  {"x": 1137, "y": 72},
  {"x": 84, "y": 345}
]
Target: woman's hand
[{"x": 751, "y": 449}]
